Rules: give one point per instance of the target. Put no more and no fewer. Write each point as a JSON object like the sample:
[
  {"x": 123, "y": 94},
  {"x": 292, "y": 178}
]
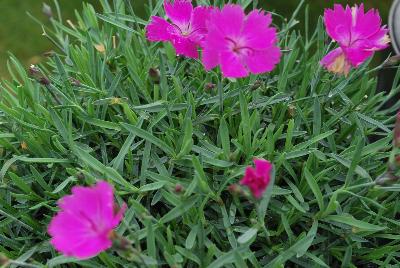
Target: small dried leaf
[{"x": 100, "y": 48}]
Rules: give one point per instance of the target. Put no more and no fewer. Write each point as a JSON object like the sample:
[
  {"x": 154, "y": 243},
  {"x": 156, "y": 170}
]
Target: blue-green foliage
[{"x": 329, "y": 138}]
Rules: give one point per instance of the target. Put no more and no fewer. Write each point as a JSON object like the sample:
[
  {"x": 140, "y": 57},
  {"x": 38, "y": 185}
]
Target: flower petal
[
  {"x": 159, "y": 29},
  {"x": 210, "y": 59},
  {"x": 232, "y": 66},
  {"x": 365, "y": 25},
  {"x": 249, "y": 176},
  {"x": 185, "y": 47},
  {"x": 73, "y": 237},
  {"x": 263, "y": 167},
  {"x": 380, "y": 40},
  {"x": 179, "y": 12},
  {"x": 257, "y": 32},
  {"x": 81, "y": 229},
  {"x": 198, "y": 23},
  {"x": 358, "y": 52},
  {"x": 98, "y": 200},
  {"x": 336, "y": 62},
  {"x": 230, "y": 20},
  {"x": 338, "y": 24},
  {"x": 261, "y": 61}
]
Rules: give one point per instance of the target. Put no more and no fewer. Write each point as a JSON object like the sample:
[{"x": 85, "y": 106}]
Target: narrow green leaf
[
  {"x": 152, "y": 186},
  {"x": 350, "y": 220},
  {"x": 149, "y": 137},
  {"x": 295, "y": 203},
  {"x": 180, "y": 210},
  {"x": 314, "y": 188},
  {"x": 247, "y": 236},
  {"x": 223, "y": 133},
  {"x": 99, "y": 167},
  {"x": 298, "y": 249}
]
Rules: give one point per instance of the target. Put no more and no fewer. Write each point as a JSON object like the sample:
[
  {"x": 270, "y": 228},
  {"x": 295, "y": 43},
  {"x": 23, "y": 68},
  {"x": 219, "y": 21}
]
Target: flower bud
[
  {"x": 75, "y": 82},
  {"x": 119, "y": 242},
  {"x": 291, "y": 111},
  {"x": 3, "y": 260},
  {"x": 46, "y": 9},
  {"x": 33, "y": 70},
  {"x": 80, "y": 176},
  {"x": 154, "y": 75},
  {"x": 396, "y": 138},
  {"x": 209, "y": 86},
  {"x": 256, "y": 85},
  {"x": 235, "y": 189},
  {"x": 178, "y": 188},
  {"x": 44, "y": 81},
  {"x": 386, "y": 179}
]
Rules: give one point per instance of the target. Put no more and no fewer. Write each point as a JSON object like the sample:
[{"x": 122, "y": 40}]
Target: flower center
[
  {"x": 239, "y": 47},
  {"x": 95, "y": 227},
  {"x": 184, "y": 29}
]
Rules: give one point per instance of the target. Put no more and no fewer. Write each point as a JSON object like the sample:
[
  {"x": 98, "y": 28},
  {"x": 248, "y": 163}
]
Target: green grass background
[
  {"x": 20, "y": 35},
  {"x": 313, "y": 125}
]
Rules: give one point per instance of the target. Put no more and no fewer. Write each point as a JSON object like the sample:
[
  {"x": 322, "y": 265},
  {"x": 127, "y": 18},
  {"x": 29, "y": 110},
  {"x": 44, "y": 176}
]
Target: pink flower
[
  {"x": 187, "y": 30},
  {"x": 84, "y": 226},
  {"x": 358, "y": 34},
  {"x": 258, "y": 179},
  {"x": 240, "y": 43}
]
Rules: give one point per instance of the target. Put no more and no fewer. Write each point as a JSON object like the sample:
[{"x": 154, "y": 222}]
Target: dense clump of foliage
[{"x": 172, "y": 137}]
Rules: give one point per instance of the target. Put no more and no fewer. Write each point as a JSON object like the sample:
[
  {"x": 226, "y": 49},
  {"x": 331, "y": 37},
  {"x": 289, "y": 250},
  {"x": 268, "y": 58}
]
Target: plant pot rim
[{"x": 395, "y": 36}]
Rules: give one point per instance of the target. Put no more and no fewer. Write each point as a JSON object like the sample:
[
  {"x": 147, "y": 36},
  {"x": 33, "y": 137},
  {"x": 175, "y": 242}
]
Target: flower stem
[{"x": 221, "y": 97}]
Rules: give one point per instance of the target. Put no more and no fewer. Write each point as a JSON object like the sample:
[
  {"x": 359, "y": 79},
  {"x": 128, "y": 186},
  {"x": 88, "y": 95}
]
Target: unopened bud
[
  {"x": 154, "y": 75},
  {"x": 33, "y": 70},
  {"x": 256, "y": 85},
  {"x": 386, "y": 179},
  {"x": 209, "y": 86},
  {"x": 80, "y": 176},
  {"x": 178, "y": 188},
  {"x": 396, "y": 139},
  {"x": 46, "y": 9},
  {"x": 44, "y": 81},
  {"x": 291, "y": 111},
  {"x": 119, "y": 242},
  {"x": 235, "y": 189},
  {"x": 75, "y": 82},
  {"x": 3, "y": 260}
]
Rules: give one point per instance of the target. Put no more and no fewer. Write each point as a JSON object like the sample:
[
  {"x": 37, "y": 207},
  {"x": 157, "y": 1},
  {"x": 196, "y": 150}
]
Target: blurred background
[{"x": 21, "y": 35}]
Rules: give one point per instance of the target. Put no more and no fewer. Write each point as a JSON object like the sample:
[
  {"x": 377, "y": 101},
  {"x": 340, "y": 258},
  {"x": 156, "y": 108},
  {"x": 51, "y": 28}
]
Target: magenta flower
[
  {"x": 240, "y": 43},
  {"x": 84, "y": 226},
  {"x": 257, "y": 180},
  {"x": 358, "y": 34},
  {"x": 187, "y": 30}
]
